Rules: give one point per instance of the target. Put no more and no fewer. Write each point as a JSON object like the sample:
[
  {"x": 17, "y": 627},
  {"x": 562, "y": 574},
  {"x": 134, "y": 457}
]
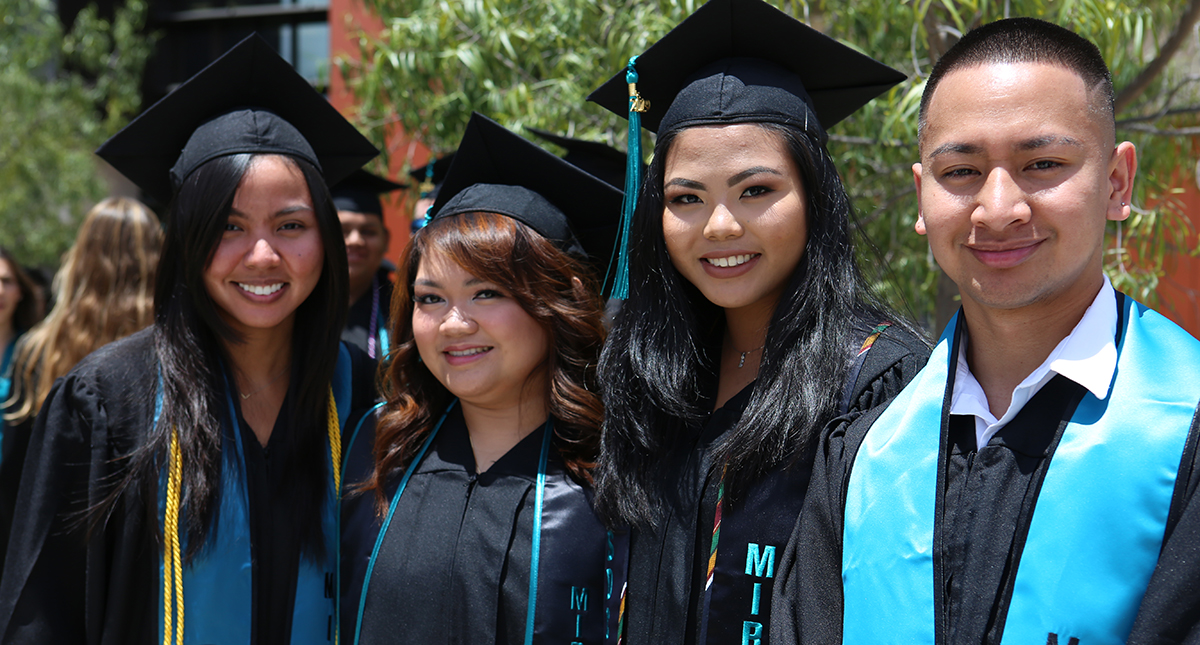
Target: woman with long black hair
[
  {"x": 747, "y": 324},
  {"x": 181, "y": 484}
]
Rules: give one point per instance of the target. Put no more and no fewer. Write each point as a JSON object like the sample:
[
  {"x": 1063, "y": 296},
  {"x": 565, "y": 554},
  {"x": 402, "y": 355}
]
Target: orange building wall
[
  {"x": 1179, "y": 290},
  {"x": 347, "y": 18}
]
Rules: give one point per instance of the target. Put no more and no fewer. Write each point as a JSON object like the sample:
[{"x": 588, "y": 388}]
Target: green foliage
[
  {"x": 61, "y": 95},
  {"x": 532, "y": 62},
  {"x": 521, "y": 62}
]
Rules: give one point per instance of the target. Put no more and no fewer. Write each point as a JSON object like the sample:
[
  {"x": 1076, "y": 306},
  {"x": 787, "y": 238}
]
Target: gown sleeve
[
  {"x": 809, "y": 589},
  {"x": 42, "y": 598},
  {"x": 64, "y": 580},
  {"x": 1170, "y": 610}
]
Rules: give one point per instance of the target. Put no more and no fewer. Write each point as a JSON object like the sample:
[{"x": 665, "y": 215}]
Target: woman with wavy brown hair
[
  {"x": 480, "y": 528},
  {"x": 103, "y": 291}
]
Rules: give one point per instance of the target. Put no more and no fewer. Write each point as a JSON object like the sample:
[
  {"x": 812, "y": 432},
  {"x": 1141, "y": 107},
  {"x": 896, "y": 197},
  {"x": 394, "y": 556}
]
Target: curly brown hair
[{"x": 558, "y": 290}]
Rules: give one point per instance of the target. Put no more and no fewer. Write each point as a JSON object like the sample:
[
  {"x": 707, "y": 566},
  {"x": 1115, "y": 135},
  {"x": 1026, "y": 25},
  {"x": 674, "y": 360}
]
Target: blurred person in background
[
  {"x": 18, "y": 312},
  {"x": 104, "y": 291},
  {"x": 360, "y": 210}
]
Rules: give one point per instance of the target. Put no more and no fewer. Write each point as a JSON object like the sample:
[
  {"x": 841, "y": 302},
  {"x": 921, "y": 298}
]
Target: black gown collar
[{"x": 452, "y": 451}]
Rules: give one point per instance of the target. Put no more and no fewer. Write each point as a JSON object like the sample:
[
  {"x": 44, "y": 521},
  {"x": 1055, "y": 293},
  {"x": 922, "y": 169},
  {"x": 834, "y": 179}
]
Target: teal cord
[
  {"x": 362, "y": 599},
  {"x": 633, "y": 183},
  {"x": 535, "y": 550}
]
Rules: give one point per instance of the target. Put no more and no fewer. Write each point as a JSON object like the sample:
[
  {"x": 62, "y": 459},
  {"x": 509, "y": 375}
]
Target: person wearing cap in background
[
  {"x": 747, "y": 321},
  {"x": 597, "y": 159},
  {"x": 485, "y": 444},
  {"x": 429, "y": 180},
  {"x": 361, "y": 213},
  {"x": 1035, "y": 482},
  {"x": 182, "y": 484}
]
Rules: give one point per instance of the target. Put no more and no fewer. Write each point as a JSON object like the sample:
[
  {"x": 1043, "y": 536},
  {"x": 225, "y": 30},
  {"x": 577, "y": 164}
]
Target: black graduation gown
[
  {"x": 61, "y": 585},
  {"x": 668, "y": 565},
  {"x": 13, "y": 447},
  {"x": 988, "y": 507},
  {"x": 358, "y": 322},
  {"x": 454, "y": 564}
]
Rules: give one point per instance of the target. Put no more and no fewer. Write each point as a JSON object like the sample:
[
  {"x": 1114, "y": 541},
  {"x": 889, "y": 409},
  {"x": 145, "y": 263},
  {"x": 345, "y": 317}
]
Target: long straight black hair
[
  {"x": 663, "y": 350},
  {"x": 190, "y": 338}
]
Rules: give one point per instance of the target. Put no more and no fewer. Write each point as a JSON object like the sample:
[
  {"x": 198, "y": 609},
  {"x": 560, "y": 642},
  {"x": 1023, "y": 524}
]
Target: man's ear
[
  {"x": 1122, "y": 169},
  {"x": 920, "y": 225}
]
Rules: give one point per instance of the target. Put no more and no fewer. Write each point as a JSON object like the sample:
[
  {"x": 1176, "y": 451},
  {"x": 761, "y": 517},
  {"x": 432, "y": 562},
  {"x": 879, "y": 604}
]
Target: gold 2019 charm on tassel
[{"x": 636, "y": 102}]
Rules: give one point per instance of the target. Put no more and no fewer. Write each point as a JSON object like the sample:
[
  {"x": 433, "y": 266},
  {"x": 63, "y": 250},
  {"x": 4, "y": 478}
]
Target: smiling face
[
  {"x": 270, "y": 256},
  {"x": 734, "y": 215},
  {"x": 366, "y": 242},
  {"x": 475, "y": 338},
  {"x": 10, "y": 292},
  {"x": 1017, "y": 178}
]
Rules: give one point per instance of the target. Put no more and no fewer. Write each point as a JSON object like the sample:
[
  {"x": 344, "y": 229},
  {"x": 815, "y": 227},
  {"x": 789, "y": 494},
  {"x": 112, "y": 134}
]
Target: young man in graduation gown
[
  {"x": 1033, "y": 484},
  {"x": 361, "y": 214}
]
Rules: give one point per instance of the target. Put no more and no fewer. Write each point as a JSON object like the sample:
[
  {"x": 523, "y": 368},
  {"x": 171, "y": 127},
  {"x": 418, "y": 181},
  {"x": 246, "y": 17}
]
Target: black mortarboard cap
[
  {"x": 602, "y": 161},
  {"x": 430, "y": 175},
  {"x": 359, "y": 193},
  {"x": 248, "y": 100},
  {"x": 744, "y": 61},
  {"x": 497, "y": 171}
]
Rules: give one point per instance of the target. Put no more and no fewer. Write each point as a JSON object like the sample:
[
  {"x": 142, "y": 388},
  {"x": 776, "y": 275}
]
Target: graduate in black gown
[
  {"x": 747, "y": 325},
  {"x": 361, "y": 214},
  {"x": 181, "y": 484},
  {"x": 483, "y": 452},
  {"x": 428, "y": 180}
]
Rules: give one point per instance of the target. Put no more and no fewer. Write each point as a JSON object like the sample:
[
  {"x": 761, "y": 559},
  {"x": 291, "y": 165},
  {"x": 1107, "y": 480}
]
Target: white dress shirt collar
[{"x": 1088, "y": 356}]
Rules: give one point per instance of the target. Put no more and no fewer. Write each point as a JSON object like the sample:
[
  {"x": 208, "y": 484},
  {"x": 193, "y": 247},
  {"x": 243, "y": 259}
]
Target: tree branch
[
  {"x": 1172, "y": 132},
  {"x": 1193, "y": 109},
  {"x": 886, "y": 207},
  {"x": 1182, "y": 30}
]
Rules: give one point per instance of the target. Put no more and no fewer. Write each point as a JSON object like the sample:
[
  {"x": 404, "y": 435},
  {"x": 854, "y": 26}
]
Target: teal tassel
[{"x": 633, "y": 181}]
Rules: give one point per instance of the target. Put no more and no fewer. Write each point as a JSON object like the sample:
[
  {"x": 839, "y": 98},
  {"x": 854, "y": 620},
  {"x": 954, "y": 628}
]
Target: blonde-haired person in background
[{"x": 103, "y": 291}]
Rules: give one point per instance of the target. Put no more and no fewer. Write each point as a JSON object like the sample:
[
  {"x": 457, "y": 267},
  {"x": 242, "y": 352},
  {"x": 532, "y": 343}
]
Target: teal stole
[
  {"x": 1098, "y": 524},
  {"x": 218, "y": 591}
]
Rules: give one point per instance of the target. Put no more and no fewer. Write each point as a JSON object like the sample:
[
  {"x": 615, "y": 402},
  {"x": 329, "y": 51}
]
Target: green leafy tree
[
  {"x": 61, "y": 95},
  {"x": 532, "y": 62}
]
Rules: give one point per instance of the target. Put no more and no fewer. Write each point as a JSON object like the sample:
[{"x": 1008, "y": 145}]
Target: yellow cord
[
  {"x": 335, "y": 459},
  {"x": 172, "y": 559},
  {"x": 335, "y": 444}
]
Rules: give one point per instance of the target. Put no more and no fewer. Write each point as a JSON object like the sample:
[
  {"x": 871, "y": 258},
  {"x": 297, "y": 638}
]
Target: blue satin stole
[
  {"x": 1098, "y": 525},
  {"x": 218, "y": 583}
]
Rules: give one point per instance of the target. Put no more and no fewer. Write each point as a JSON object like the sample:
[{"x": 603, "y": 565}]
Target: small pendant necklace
[
  {"x": 267, "y": 385},
  {"x": 742, "y": 360}
]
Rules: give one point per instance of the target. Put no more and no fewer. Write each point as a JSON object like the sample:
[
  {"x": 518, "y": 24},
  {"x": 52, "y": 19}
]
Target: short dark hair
[{"x": 1026, "y": 40}]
